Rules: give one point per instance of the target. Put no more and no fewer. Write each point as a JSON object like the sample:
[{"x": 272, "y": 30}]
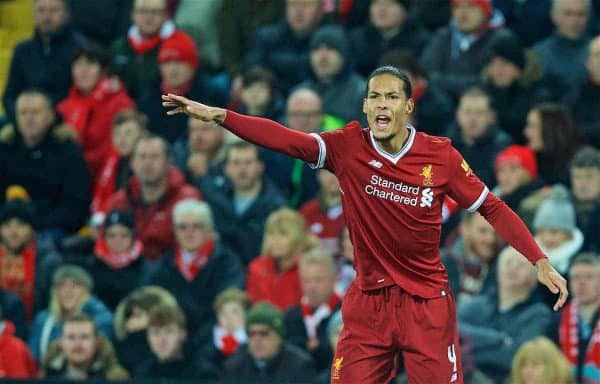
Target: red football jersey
[{"x": 393, "y": 204}]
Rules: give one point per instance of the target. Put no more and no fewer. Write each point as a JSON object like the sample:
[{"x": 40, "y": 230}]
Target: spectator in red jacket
[
  {"x": 151, "y": 193},
  {"x": 93, "y": 102},
  {"x": 16, "y": 361},
  {"x": 273, "y": 276}
]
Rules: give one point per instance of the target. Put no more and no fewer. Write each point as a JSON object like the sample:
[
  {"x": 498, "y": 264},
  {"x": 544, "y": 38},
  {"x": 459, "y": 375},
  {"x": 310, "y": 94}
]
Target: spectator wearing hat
[
  {"x": 93, "y": 102},
  {"x": 555, "y": 229},
  {"x": 40, "y": 156},
  {"x": 341, "y": 89},
  {"x": 517, "y": 175},
  {"x": 585, "y": 188},
  {"x": 134, "y": 56},
  {"x": 26, "y": 263},
  {"x": 564, "y": 53},
  {"x": 16, "y": 361},
  {"x": 390, "y": 26},
  {"x": 585, "y": 109},
  {"x": 267, "y": 357},
  {"x": 71, "y": 294},
  {"x": 457, "y": 53},
  {"x": 117, "y": 263},
  {"x": 283, "y": 47},
  {"x": 181, "y": 74},
  {"x": 151, "y": 193},
  {"x": 43, "y": 60}
]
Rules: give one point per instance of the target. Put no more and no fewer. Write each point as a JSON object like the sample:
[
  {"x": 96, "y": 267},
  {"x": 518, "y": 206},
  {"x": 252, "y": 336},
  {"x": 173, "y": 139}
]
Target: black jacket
[
  {"x": 223, "y": 270},
  {"x": 187, "y": 367},
  {"x": 54, "y": 174},
  {"x": 35, "y": 64},
  {"x": 291, "y": 365},
  {"x": 586, "y": 111}
]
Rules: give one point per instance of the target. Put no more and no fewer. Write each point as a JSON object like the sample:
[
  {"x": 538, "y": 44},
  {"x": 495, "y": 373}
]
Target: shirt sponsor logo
[
  {"x": 375, "y": 163},
  {"x": 426, "y": 198},
  {"x": 427, "y": 174},
  {"x": 397, "y": 192}
]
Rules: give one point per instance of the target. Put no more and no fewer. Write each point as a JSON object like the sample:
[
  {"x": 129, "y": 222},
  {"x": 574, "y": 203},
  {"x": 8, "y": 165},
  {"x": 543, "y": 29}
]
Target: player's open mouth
[{"x": 382, "y": 121}]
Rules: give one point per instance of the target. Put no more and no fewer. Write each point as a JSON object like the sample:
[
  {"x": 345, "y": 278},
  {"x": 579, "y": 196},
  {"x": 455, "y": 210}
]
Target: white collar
[{"x": 405, "y": 148}]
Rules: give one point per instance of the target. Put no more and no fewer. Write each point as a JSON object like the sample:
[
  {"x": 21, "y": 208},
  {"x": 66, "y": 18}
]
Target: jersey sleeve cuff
[
  {"x": 322, "y": 152},
  {"x": 475, "y": 206}
]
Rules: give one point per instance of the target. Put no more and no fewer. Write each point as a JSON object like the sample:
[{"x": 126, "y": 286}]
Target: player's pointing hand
[
  {"x": 557, "y": 284},
  {"x": 180, "y": 104}
]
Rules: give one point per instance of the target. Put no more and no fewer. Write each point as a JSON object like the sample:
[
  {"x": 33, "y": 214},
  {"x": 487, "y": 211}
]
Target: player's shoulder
[
  {"x": 351, "y": 128},
  {"x": 434, "y": 144}
]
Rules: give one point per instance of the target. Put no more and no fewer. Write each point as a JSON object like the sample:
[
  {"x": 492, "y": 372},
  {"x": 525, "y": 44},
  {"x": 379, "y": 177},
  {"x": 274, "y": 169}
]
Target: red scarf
[
  {"x": 192, "y": 268},
  {"x": 141, "y": 45},
  {"x": 106, "y": 184},
  {"x": 568, "y": 333},
  {"x": 313, "y": 316},
  {"x": 17, "y": 275},
  {"x": 117, "y": 260},
  {"x": 228, "y": 343}
]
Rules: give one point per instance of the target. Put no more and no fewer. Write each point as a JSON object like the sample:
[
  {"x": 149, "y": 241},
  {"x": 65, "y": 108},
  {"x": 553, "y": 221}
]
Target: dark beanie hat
[
  {"x": 332, "y": 36},
  {"x": 17, "y": 209},
  {"x": 266, "y": 314},
  {"x": 510, "y": 49},
  {"x": 124, "y": 218}
]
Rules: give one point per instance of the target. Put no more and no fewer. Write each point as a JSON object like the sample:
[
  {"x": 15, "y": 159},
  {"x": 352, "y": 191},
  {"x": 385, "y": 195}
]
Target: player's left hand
[{"x": 557, "y": 284}]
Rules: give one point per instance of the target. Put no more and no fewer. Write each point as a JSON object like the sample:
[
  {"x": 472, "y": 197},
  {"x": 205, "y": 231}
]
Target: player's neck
[{"x": 394, "y": 145}]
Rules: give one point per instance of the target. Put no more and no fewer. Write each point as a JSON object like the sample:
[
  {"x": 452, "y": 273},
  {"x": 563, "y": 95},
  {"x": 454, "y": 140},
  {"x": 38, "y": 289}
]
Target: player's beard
[{"x": 385, "y": 139}]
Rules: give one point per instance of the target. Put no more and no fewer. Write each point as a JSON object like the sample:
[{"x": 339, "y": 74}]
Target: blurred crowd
[{"x": 136, "y": 245}]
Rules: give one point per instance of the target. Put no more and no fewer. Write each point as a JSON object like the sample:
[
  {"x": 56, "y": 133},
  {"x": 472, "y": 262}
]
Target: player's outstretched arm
[
  {"x": 557, "y": 284},
  {"x": 260, "y": 131}
]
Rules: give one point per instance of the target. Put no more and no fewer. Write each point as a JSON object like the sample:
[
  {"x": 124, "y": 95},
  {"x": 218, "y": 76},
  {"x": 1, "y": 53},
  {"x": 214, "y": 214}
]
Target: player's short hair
[
  {"x": 586, "y": 157},
  {"x": 319, "y": 256},
  {"x": 163, "y": 315},
  {"x": 391, "y": 70}
]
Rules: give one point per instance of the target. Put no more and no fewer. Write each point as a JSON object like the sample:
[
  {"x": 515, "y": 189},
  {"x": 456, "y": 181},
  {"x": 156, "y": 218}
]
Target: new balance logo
[{"x": 375, "y": 163}]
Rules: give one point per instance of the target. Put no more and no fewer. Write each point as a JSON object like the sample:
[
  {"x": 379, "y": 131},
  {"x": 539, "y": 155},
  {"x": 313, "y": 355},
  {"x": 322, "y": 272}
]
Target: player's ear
[{"x": 410, "y": 105}]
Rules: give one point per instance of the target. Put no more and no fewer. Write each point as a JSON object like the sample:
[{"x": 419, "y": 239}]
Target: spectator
[
  {"x": 82, "y": 353},
  {"x": 103, "y": 21},
  {"x": 14, "y": 312},
  {"x": 341, "y": 89},
  {"x": 457, "y": 53},
  {"x": 128, "y": 128},
  {"x": 268, "y": 357},
  {"x": 346, "y": 273},
  {"x": 16, "y": 361},
  {"x": 539, "y": 361},
  {"x": 579, "y": 322},
  {"x": 71, "y": 294},
  {"x": 563, "y": 53},
  {"x": 202, "y": 148},
  {"x": 390, "y": 26},
  {"x": 324, "y": 215},
  {"x": 529, "y": 19},
  {"x": 498, "y": 324},
  {"x": 117, "y": 262},
  {"x": 135, "y": 55},
  {"x": 434, "y": 109},
  {"x": 585, "y": 188},
  {"x": 180, "y": 73},
  {"x": 273, "y": 276},
  {"x": 41, "y": 157},
  {"x": 199, "y": 266},
  {"x": 476, "y": 135},
  {"x": 471, "y": 259},
  {"x": 131, "y": 321},
  {"x": 306, "y": 323},
  {"x": 172, "y": 358},
  {"x": 552, "y": 134},
  {"x": 260, "y": 95},
  {"x": 283, "y": 47},
  {"x": 220, "y": 340},
  {"x": 43, "y": 60},
  {"x": 556, "y": 229},
  {"x": 295, "y": 179},
  {"x": 151, "y": 194},
  {"x": 27, "y": 263},
  {"x": 584, "y": 109},
  {"x": 93, "y": 102},
  {"x": 241, "y": 198},
  {"x": 238, "y": 23}
]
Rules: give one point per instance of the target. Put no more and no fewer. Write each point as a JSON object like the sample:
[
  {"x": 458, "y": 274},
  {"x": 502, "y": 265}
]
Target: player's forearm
[
  {"x": 506, "y": 222},
  {"x": 270, "y": 134}
]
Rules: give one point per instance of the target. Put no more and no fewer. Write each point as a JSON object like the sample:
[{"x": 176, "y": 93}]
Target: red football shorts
[{"x": 379, "y": 325}]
